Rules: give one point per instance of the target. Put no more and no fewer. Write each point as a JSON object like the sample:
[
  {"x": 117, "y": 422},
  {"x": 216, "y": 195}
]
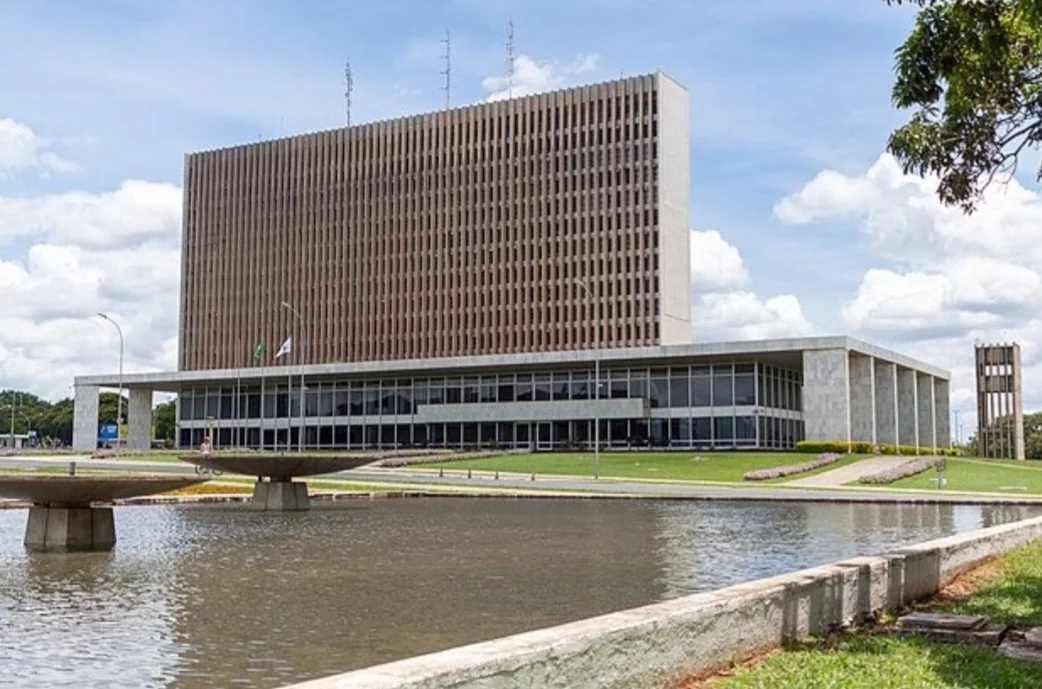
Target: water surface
[{"x": 220, "y": 596}]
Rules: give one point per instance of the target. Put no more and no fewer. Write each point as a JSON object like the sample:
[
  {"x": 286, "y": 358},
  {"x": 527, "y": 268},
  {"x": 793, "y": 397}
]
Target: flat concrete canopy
[
  {"x": 81, "y": 491},
  {"x": 278, "y": 467}
]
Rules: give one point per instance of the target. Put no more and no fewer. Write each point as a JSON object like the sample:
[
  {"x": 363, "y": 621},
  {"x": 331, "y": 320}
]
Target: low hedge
[
  {"x": 790, "y": 469},
  {"x": 863, "y": 448},
  {"x": 909, "y": 468}
]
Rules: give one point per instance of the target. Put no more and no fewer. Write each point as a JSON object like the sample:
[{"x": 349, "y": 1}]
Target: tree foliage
[{"x": 971, "y": 71}]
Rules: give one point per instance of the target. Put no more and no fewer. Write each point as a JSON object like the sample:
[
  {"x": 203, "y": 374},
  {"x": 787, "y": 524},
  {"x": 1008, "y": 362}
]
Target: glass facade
[{"x": 719, "y": 405}]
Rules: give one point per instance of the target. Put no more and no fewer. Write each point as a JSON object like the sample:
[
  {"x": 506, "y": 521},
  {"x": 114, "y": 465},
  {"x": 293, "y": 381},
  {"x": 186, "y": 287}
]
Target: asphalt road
[{"x": 616, "y": 487}]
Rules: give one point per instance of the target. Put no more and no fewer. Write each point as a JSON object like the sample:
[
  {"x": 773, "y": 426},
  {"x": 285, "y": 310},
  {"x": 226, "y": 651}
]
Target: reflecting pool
[{"x": 221, "y": 596}]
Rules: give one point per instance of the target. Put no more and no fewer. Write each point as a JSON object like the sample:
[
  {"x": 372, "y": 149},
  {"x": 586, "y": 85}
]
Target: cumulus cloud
[
  {"x": 21, "y": 147},
  {"x": 536, "y": 77},
  {"x": 723, "y": 306},
  {"x": 137, "y": 212},
  {"x": 947, "y": 279},
  {"x": 115, "y": 252}
]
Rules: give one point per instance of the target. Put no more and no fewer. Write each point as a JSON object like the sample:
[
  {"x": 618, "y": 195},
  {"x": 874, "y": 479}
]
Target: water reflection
[{"x": 220, "y": 596}]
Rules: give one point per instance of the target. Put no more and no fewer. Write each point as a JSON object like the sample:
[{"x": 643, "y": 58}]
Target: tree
[
  {"x": 972, "y": 72},
  {"x": 166, "y": 421}
]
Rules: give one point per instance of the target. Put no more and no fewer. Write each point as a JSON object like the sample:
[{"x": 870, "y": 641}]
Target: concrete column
[
  {"x": 885, "y": 375},
  {"x": 67, "y": 529},
  {"x": 85, "y": 418},
  {"x": 826, "y": 394},
  {"x": 925, "y": 411},
  {"x": 281, "y": 496},
  {"x": 862, "y": 399},
  {"x": 907, "y": 417},
  {"x": 942, "y": 412},
  {"x": 139, "y": 419}
]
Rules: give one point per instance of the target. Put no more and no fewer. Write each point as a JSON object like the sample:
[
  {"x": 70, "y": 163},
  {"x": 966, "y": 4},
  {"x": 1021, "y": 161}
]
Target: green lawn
[
  {"x": 982, "y": 475},
  {"x": 683, "y": 466},
  {"x": 861, "y": 661}
]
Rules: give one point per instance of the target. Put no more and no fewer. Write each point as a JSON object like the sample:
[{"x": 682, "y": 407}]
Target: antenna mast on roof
[
  {"x": 349, "y": 86},
  {"x": 510, "y": 58},
  {"x": 448, "y": 69}
]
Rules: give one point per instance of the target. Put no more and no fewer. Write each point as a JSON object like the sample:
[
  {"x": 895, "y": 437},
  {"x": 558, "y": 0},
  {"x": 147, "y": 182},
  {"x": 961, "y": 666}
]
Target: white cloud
[
  {"x": 723, "y": 308},
  {"x": 536, "y": 77},
  {"x": 21, "y": 147},
  {"x": 716, "y": 265},
  {"x": 124, "y": 263},
  {"x": 136, "y": 212},
  {"x": 949, "y": 279}
]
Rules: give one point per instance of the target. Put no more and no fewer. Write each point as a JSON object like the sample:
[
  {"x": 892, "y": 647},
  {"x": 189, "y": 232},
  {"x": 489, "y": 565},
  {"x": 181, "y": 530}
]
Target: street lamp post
[
  {"x": 596, "y": 385},
  {"x": 14, "y": 401},
  {"x": 119, "y": 400},
  {"x": 300, "y": 321}
]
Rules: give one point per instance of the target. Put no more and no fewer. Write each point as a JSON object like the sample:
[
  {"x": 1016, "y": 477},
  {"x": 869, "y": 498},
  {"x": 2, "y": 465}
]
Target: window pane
[
  {"x": 678, "y": 391},
  {"x": 722, "y": 395},
  {"x": 745, "y": 389},
  {"x": 659, "y": 392},
  {"x": 723, "y": 430}
]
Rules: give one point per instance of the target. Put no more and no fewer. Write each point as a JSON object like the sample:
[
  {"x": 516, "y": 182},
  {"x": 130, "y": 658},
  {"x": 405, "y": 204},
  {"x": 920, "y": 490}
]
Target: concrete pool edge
[{"x": 650, "y": 645}]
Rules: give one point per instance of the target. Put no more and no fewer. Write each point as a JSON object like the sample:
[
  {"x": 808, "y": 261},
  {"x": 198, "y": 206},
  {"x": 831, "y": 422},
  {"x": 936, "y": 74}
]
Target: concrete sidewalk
[{"x": 849, "y": 473}]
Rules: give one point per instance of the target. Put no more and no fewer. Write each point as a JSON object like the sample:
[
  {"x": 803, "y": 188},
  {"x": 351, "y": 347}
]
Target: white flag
[{"x": 286, "y": 347}]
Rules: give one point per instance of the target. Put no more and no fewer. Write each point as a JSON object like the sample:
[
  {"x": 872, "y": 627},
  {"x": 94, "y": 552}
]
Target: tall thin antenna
[
  {"x": 510, "y": 58},
  {"x": 349, "y": 87},
  {"x": 447, "y": 88}
]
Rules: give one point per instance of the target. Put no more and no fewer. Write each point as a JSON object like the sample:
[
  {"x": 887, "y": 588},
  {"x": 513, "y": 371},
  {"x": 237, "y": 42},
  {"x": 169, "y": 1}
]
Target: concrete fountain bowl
[
  {"x": 64, "y": 515},
  {"x": 279, "y": 493},
  {"x": 278, "y": 467}
]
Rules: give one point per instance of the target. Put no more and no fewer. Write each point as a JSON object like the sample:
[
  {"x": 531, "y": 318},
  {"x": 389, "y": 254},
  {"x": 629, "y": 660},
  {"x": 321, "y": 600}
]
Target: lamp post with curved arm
[
  {"x": 300, "y": 321},
  {"x": 119, "y": 400}
]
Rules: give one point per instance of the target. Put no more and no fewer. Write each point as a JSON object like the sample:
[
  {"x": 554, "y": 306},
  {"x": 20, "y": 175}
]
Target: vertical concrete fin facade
[
  {"x": 373, "y": 232},
  {"x": 139, "y": 419},
  {"x": 673, "y": 212},
  {"x": 885, "y": 375},
  {"x": 925, "y": 411},
  {"x": 85, "y": 417},
  {"x": 942, "y": 412},
  {"x": 907, "y": 407},
  {"x": 826, "y": 394},
  {"x": 862, "y": 399}
]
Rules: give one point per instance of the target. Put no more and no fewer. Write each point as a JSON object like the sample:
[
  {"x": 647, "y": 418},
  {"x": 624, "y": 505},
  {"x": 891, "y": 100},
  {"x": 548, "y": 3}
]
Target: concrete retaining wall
[{"x": 648, "y": 646}]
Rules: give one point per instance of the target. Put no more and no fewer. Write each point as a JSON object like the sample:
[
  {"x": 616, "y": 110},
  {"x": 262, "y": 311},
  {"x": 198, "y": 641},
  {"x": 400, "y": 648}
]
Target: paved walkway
[
  {"x": 848, "y": 473},
  {"x": 590, "y": 488}
]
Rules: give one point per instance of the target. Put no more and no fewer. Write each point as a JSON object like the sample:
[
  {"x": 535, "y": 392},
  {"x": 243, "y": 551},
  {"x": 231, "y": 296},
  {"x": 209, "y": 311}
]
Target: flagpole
[
  {"x": 260, "y": 361},
  {"x": 238, "y": 393}
]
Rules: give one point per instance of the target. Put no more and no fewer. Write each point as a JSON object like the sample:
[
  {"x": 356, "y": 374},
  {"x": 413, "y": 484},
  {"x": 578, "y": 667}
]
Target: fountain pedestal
[
  {"x": 69, "y": 529},
  {"x": 275, "y": 490},
  {"x": 281, "y": 496},
  {"x": 62, "y": 513}
]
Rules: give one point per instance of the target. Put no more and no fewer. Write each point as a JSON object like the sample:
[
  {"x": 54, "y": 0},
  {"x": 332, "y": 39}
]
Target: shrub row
[
  {"x": 863, "y": 448},
  {"x": 790, "y": 469},
  {"x": 910, "y": 468}
]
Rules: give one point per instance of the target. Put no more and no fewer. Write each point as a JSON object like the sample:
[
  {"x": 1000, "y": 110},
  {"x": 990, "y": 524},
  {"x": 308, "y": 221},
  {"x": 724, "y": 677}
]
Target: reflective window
[
  {"x": 745, "y": 389},
  {"x": 722, "y": 393},
  {"x": 723, "y": 430}
]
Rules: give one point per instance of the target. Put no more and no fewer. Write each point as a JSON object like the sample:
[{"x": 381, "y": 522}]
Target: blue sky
[{"x": 780, "y": 92}]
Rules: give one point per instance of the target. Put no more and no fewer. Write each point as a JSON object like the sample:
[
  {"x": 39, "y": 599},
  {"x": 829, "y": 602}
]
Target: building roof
[{"x": 787, "y": 351}]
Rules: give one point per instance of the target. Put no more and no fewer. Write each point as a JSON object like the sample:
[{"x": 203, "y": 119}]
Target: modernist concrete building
[
  {"x": 455, "y": 279},
  {"x": 765, "y": 394}
]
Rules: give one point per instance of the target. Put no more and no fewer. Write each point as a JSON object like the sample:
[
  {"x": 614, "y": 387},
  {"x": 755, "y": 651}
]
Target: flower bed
[
  {"x": 790, "y": 469},
  {"x": 915, "y": 466}
]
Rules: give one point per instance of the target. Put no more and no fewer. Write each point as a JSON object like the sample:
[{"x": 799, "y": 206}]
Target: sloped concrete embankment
[{"x": 651, "y": 645}]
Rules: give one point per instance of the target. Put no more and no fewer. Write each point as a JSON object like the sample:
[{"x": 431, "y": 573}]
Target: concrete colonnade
[{"x": 853, "y": 397}]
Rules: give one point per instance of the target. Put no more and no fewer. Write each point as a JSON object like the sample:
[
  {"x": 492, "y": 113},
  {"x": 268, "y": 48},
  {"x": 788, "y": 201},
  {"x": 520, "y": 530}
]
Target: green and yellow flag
[{"x": 258, "y": 353}]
